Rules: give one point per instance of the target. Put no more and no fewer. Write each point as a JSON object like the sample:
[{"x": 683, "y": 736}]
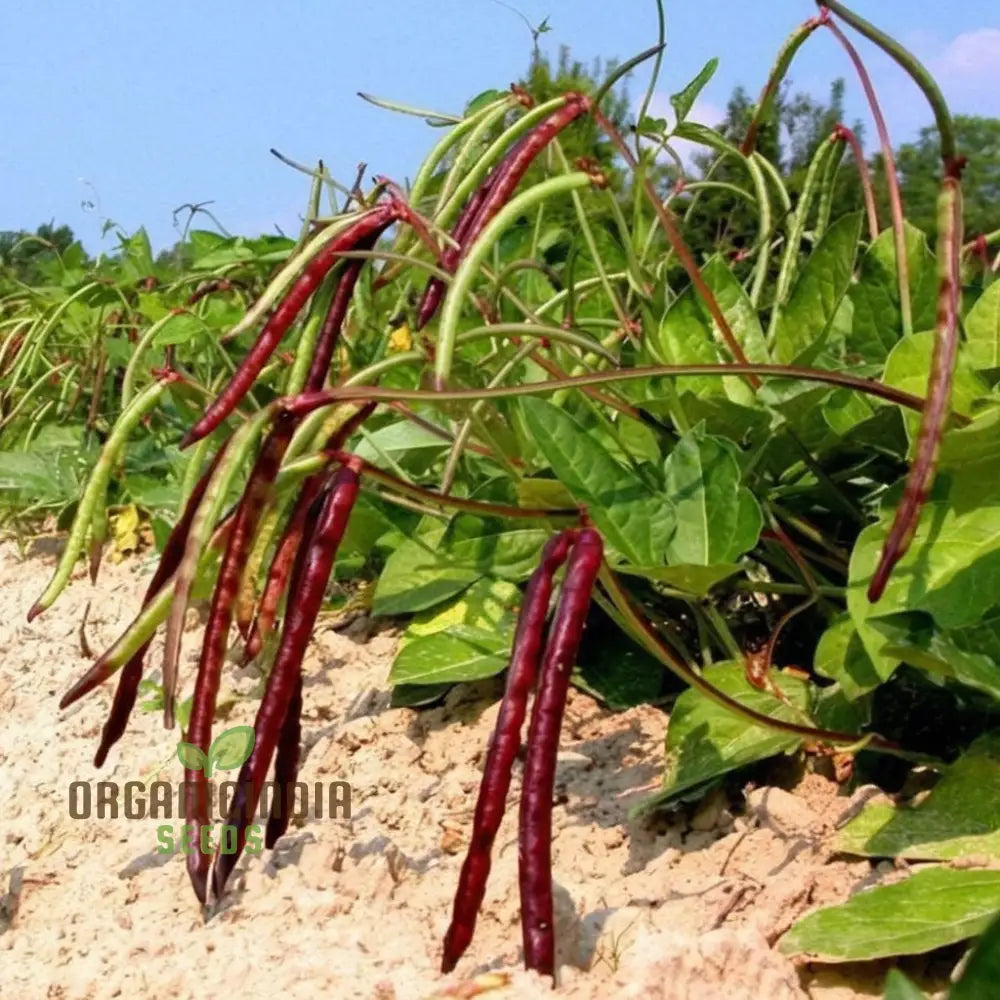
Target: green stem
[{"x": 869, "y": 386}]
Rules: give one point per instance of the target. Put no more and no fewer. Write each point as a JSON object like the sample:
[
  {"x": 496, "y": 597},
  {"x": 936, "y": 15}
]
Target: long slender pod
[
  {"x": 286, "y": 768},
  {"x": 314, "y": 573},
  {"x": 535, "y": 818},
  {"x": 237, "y": 451},
  {"x": 496, "y": 191},
  {"x": 372, "y": 222},
  {"x": 504, "y": 746},
  {"x": 131, "y": 675},
  {"x": 935, "y": 413},
  {"x": 96, "y": 489},
  {"x": 291, "y": 540},
  {"x": 220, "y": 617},
  {"x": 142, "y": 627}
]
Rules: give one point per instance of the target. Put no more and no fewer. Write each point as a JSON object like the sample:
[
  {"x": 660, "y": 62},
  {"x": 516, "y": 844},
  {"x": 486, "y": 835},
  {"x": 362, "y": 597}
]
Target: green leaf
[
  {"x": 952, "y": 568},
  {"x": 230, "y": 749},
  {"x": 898, "y": 987},
  {"x": 683, "y": 100},
  {"x": 932, "y": 908},
  {"x": 908, "y": 367},
  {"x": 461, "y": 654},
  {"x": 717, "y": 518},
  {"x": 704, "y": 136},
  {"x": 982, "y": 329},
  {"x": 488, "y": 605},
  {"x": 959, "y": 818},
  {"x": 705, "y": 740},
  {"x": 481, "y": 100},
  {"x": 192, "y": 757},
  {"x": 548, "y": 494},
  {"x": 441, "y": 561},
  {"x": 822, "y": 283},
  {"x": 841, "y": 656},
  {"x": 179, "y": 329},
  {"x": 975, "y": 442},
  {"x": 634, "y": 520},
  {"x": 689, "y": 335},
  {"x": 400, "y": 438},
  {"x": 914, "y": 639},
  {"x": 694, "y": 580},
  {"x": 982, "y": 973},
  {"x": 736, "y": 308},
  {"x": 876, "y": 322}
]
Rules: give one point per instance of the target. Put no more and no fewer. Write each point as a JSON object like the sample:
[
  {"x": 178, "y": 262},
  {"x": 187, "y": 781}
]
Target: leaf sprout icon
[{"x": 229, "y": 750}]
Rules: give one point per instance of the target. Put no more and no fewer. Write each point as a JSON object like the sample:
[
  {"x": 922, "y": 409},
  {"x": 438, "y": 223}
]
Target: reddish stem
[{"x": 845, "y": 134}]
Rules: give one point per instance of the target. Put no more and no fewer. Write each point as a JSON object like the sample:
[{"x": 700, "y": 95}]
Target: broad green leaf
[
  {"x": 549, "y": 494},
  {"x": 982, "y": 329},
  {"x": 898, "y": 987},
  {"x": 416, "y": 577},
  {"x": 952, "y": 568},
  {"x": 717, "y": 518},
  {"x": 976, "y": 442},
  {"x": 683, "y": 100},
  {"x": 487, "y": 604},
  {"x": 230, "y": 749},
  {"x": 914, "y": 639},
  {"x": 736, "y": 308},
  {"x": 932, "y": 908},
  {"x": 877, "y": 321},
  {"x": 461, "y": 654},
  {"x": 439, "y": 563},
  {"x": 396, "y": 439},
  {"x": 179, "y": 329},
  {"x": 684, "y": 337},
  {"x": 982, "y": 972},
  {"x": 634, "y": 520},
  {"x": 908, "y": 367},
  {"x": 959, "y": 818},
  {"x": 695, "y": 580},
  {"x": 705, "y": 740},
  {"x": 822, "y": 283},
  {"x": 841, "y": 656},
  {"x": 192, "y": 757},
  {"x": 689, "y": 335}
]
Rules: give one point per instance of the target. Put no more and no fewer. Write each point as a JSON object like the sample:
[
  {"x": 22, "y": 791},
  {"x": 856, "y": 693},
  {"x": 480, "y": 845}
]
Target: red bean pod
[
  {"x": 284, "y": 315},
  {"x": 286, "y": 769},
  {"x": 495, "y": 192},
  {"x": 131, "y": 676},
  {"x": 535, "y": 818},
  {"x": 920, "y": 478},
  {"x": 216, "y": 637},
  {"x": 522, "y": 672},
  {"x": 434, "y": 290},
  {"x": 291, "y": 540},
  {"x": 312, "y": 575}
]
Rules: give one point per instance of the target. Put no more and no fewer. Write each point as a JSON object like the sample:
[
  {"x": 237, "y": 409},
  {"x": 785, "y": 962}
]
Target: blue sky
[{"x": 126, "y": 109}]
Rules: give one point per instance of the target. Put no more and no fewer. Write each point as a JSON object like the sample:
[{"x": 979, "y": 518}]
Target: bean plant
[{"x": 773, "y": 480}]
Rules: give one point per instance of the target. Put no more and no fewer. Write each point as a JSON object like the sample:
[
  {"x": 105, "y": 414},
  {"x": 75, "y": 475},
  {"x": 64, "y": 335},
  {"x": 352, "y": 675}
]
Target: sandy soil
[{"x": 688, "y": 906}]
